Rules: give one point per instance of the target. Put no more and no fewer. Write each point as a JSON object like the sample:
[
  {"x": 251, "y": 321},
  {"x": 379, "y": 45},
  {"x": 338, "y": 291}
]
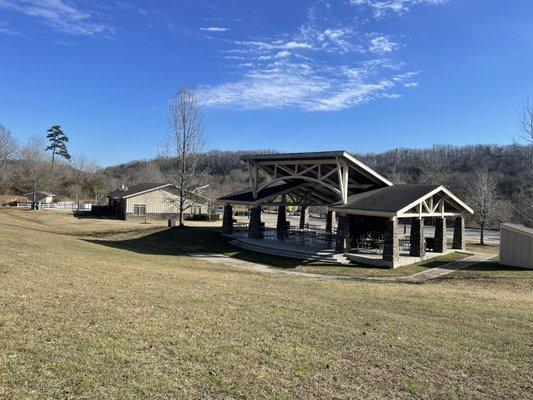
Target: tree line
[
  {"x": 497, "y": 180},
  {"x": 45, "y": 164}
]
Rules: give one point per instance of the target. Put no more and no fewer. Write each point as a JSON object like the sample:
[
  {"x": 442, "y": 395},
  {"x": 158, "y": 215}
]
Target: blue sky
[{"x": 361, "y": 75}]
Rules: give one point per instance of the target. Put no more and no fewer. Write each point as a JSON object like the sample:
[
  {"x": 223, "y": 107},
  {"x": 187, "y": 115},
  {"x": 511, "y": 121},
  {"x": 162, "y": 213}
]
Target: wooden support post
[
  {"x": 440, "y": 235},
  {"x": 227, "y": 222},
  {"x": 255, "y": 228},
  {"x": 304, "y": 214},
  {"x": 342, "y": 244},
  {"x": 281, "y": 226},
  {"x": 330, "y": 221},
  {"x": 391, "y": 247},
  {"x": 417, "y": 239},
  {"x": 459, "y": 233},
  {"x": 253, "y": 171}
]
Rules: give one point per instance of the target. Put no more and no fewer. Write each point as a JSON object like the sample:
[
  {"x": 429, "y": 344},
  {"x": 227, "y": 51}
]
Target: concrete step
[
  {"x": 272, "y": 244},
  {"x": 285, "y": 249}
]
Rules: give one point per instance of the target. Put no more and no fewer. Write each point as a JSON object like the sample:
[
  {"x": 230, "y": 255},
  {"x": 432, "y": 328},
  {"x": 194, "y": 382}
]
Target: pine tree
[{"x": 58, "y": 143}]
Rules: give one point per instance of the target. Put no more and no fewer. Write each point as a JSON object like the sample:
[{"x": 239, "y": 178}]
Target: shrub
[
  {"x": 101, "y": 211},
  {"x": 202, "y": 217}
]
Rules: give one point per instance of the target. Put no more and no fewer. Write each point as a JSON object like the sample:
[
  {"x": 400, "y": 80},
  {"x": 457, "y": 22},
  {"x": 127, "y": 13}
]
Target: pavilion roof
[
  {"x": 405, "y": 200},
  {"x": 279, "y": 165},
  {"x": 313, "y": 178},
  {"x": 246, "y": 196}
]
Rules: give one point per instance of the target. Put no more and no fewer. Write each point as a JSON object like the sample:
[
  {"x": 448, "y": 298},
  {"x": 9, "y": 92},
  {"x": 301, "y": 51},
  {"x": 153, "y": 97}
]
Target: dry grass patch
[
  {"x": 106, "y": 309},
  {"x": 363, "y": 270}
]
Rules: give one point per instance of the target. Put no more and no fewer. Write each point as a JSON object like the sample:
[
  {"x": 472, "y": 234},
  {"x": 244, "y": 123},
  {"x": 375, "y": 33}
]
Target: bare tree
[
  {"x": 9, "y": 146},
  {"x": 525, "y": 122},
  {"x": 82, "y": 171},
  {"x": 33, "y": 172},
  {"x": 523, "y": 205},
  {"x": 183, "y": 150},
  {"x": 484, "y": 197}
]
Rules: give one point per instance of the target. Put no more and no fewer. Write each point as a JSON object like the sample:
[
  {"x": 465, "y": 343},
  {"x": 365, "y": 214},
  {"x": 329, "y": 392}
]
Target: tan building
[{"x": 152, "y": 201}]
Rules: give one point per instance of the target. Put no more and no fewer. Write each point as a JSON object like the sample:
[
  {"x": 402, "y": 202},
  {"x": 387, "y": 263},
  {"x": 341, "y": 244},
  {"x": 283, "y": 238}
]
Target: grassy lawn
[
  {"x": 483, "y": 248},
  {"x": 363, "y": 270},
  {"x": 96, "y": 309}
]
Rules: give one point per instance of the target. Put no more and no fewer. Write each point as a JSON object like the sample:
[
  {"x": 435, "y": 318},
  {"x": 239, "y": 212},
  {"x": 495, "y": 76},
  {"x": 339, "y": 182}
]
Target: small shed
[
  {"x": 40, "y": 196},
  {"x": 516, "y": 246}
]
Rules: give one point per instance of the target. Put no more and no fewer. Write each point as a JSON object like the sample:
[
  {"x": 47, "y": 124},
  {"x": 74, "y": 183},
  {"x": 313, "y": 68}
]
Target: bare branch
[
  {"x": 183, "y": 149},
  {"x": 33, "y": 172},
  {"x": 9, "y": 145},
  {"x": 484, "y": 197},
  {"x": 525, "y": 122}
]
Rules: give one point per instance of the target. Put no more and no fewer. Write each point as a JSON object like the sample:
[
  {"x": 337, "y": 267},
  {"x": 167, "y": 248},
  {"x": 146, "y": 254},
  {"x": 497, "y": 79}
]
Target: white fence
[
  {"x": 62, "y": 205},
  {"x": 516, "y": 246}
]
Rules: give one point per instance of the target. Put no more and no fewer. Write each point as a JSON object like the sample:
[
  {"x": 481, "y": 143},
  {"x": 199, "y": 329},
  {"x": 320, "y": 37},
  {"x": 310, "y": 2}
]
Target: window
[
  {"x": 196, "y": 210},
  {"x": 139, "y": 209}
]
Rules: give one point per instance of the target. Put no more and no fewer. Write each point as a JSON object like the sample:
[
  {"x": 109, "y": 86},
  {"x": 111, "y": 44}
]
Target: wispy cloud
[
  {"x": 381, "y": 45},
  {"x": 58, "y": 14},
  {"x": 324, "y": 65},
  {"x": 384, "y": 7},
  {"x": 214, "y": 29},
  {"x": 6, "y": 30},
  {"x": 309, "y": 87}
]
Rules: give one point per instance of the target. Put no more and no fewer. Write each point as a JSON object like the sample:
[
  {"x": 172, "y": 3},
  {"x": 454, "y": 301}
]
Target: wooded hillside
[
  {"x": 454, "y": 167},
  {"x": 510, "y": 166}
]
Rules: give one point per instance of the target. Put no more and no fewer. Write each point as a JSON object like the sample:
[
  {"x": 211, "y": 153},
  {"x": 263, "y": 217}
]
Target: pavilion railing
[
  {"x": 373, "y": 244},
  {"x": 312, "y": 236}
]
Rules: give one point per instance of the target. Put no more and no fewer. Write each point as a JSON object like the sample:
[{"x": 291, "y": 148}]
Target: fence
[
  {"x": 312, "y": 236},
  {"x": 63, "y": 205}
]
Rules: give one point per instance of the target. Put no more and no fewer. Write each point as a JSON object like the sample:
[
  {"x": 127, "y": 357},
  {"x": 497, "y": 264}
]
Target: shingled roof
[
  {"x": 393, "y": 200},
  {"x": 136, "y": 189}
]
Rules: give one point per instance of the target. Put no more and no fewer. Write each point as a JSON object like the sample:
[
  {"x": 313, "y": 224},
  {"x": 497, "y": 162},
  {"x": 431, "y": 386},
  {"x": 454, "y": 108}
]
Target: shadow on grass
[
  {"x": 89, "y": 215},
  {"x": 183, "y": 241},
  {"x": 493, "y": 273},
  {"x": 493, "y": 266}
]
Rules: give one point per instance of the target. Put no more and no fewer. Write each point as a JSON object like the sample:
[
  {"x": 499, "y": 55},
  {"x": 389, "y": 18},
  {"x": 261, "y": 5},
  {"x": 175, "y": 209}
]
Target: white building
[{"x": 40, "y": 197}]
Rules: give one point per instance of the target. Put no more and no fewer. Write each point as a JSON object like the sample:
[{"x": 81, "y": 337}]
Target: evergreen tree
[{"x": 58, "y": 143}]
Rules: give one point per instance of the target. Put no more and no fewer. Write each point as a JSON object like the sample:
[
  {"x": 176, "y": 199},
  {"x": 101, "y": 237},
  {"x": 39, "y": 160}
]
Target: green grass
[{"x": 107, "y": 309}]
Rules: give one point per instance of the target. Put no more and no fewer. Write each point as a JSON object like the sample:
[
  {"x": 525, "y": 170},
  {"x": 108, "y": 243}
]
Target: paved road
[{"x": 472, "y": 235}]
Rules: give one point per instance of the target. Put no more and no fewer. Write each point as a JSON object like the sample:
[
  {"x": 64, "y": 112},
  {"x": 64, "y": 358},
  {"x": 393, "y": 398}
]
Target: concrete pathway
[{"x": 419, "y": 277}]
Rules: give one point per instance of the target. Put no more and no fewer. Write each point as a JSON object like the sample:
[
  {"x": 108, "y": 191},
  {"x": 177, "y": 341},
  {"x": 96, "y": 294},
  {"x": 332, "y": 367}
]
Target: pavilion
[{"x": 368, "y": 207}]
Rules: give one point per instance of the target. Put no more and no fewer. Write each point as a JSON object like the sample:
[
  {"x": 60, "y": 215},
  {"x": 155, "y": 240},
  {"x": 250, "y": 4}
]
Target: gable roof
[
  {"x": 397, "y": 199},
  {"x": 137, "y": 189},
  {"x": 40, "y": 192},
  {"x": 358, "y": 170},
  {"x": 391, "y": 198},
  {"x": 146, "y": 188}
]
